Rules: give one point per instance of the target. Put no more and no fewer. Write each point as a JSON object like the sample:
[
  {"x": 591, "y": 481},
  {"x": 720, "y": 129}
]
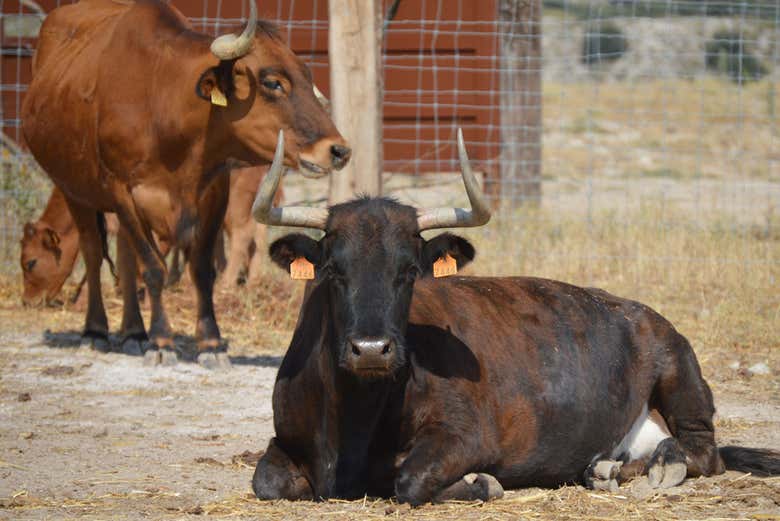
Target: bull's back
[{"x": 561, "y": 371}]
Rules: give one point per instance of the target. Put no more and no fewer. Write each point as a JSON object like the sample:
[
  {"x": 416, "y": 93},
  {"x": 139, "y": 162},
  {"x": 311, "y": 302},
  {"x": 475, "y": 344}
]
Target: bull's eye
[
  {"x": 272, "y": 84},
  {"x": 30, "y": 264}
]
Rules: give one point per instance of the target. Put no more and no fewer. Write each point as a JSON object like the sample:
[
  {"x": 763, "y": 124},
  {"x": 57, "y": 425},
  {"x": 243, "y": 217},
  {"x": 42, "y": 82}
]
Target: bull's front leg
[
  {"x": 277, "y": 477},
  {"x": 440, "y": 467}
]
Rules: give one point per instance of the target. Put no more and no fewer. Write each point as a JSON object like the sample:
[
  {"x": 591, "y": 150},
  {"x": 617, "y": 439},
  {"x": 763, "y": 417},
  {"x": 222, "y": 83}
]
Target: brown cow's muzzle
[{"x": 324, "y": 156}]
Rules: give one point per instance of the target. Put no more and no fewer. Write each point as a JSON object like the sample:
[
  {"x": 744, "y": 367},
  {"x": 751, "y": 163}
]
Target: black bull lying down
[{"x": 396, "y": 383}]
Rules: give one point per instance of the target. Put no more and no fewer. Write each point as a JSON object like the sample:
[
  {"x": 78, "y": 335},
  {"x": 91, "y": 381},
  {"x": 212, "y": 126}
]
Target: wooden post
[
  {"x": 355, "y": 50},
  {"x": 521, "y": 100}
]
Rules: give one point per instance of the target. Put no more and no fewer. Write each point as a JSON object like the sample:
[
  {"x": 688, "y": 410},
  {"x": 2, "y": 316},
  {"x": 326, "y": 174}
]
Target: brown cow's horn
[
  {"x": 230, "y": 46},
  {"x": 299, "y": 216},
  {"x": 320, "y": 97},
  {"x": 459, "y": 217}
]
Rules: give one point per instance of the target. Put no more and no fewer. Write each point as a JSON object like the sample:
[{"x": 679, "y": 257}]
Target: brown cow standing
[
  {"x": 131, "y": 111},
  {"x": 430, "y": 389}
]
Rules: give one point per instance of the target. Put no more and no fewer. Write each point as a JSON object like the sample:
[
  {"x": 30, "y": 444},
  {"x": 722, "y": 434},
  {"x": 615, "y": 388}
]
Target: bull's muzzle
[{"x": 371, "y": 354}]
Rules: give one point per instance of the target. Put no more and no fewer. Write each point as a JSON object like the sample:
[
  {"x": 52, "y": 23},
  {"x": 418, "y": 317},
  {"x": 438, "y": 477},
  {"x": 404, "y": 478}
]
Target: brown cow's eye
[{"x": 273, "y": 84}]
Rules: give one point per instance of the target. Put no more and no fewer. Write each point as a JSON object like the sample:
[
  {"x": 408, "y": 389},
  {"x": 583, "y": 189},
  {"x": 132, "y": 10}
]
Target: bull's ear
[
  {"x": 446, "y": 244},
  {"x": 293, "y": 246}
]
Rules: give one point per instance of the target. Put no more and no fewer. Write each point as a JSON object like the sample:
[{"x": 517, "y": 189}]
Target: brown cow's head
[
  {"x": 368, "y": 261},
  {"x": 267, "y": 88},
  {"x": 45, "y": 266}
]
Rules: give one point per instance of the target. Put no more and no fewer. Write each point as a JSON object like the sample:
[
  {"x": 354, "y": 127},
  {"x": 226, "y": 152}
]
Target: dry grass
[
  {"x": 681, "y": 129},
  {"x": 717, "y": 284},
  {"x": 732, "y": 497}
]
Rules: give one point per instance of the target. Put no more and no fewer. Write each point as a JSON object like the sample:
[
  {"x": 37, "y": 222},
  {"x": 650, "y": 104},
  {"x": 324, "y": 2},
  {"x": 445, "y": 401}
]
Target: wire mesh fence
[{"x": 659, "y": 113}]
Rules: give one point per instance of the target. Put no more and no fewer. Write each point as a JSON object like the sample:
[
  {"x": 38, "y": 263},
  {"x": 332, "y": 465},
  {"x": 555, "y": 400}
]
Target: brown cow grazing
[
  {"x": 50, "y": 247},
  {"x": 396, "y": 383},
  {"x": 131, "y": 111}
]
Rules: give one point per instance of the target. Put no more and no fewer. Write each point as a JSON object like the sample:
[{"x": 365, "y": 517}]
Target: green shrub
[
  {"x": 727, "y": 54},
  {"x": 603, "y": 42}
]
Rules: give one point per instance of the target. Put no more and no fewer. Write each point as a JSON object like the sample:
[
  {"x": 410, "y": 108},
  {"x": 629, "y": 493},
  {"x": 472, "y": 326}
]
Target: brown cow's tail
[
  {"x": 101, "y": 224},
  {"x": 759, "y": 462}
]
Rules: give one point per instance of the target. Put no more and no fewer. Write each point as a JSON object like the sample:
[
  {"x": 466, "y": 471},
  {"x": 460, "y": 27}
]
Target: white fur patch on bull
[{"x": 644, "y": 436}]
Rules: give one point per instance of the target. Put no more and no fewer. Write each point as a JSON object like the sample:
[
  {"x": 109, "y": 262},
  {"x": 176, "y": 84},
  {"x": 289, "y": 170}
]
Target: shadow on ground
[{"x": 185, "y": 348}]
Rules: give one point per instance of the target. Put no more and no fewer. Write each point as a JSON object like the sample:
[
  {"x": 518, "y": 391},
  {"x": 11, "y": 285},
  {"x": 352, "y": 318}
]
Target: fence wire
[{"x": 579, "y": 108}]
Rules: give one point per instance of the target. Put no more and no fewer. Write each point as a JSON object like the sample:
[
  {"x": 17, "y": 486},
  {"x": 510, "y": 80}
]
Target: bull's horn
[
  {"x": 459, "y": 217},
  {"x": 230, "y": 46},
  {"x": 263, "y": 210}
]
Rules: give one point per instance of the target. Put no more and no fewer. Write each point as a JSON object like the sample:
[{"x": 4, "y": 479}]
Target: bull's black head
[{"x": 369, "y": 259}]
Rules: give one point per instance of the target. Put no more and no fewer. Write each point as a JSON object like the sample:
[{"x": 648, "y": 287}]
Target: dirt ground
[{"x": 96, "y": 436}]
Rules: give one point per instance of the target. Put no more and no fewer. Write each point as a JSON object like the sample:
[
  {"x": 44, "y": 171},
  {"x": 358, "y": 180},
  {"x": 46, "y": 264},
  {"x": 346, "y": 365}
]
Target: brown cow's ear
[
  {"x": 446, "y": 244},
  {"x": 293, "y": 246},
  {"x": 51, "y": 241},
  {"x": 216, "y": 84},
  {"x": 29, "y": 230}
]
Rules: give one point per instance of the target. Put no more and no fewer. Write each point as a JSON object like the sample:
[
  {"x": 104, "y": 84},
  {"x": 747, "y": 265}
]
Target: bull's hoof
[
  {"x": 603, "y": 474},
  {"x": 488, "y": 486},
  {"x": 95, "y": 342},
  {"x": 214, "y": 360},
  {"x": 667, "y": 467},
  {"x": 132, "y": 347}
]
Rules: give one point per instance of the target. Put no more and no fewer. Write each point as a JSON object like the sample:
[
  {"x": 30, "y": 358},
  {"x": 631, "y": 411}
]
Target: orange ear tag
[
  {"x": 217, "y": 98},
  {"x": 301, "y": 269},
  {"x": 445, "y": 266}
]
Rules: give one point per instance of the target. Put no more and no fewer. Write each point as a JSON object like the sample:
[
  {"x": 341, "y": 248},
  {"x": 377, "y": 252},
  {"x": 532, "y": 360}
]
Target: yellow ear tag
[
  {"x": 217, "y": 98},
  {"x": 445, "y": 266},
  {"x": 301, "y": 269}
]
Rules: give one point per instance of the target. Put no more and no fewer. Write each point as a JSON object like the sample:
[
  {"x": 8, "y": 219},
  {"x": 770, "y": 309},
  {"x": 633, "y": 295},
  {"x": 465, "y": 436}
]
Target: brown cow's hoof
[
  {"x": 95, "y": 343},
  {"x": 132, "y": 347},
  {"x": 212, "y": 360},
  {"x": 667, "y": 467},
  {"x": 152, "y": 358},
  {"x": 168, "y": 357},
  {"x": 603, "y": 474},
  {"x": 160, "y": 357}
]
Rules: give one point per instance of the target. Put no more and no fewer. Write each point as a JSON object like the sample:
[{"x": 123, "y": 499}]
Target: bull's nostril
[
  {"x": 355, "y": 349},
  {"x": 388, "y": 347}
]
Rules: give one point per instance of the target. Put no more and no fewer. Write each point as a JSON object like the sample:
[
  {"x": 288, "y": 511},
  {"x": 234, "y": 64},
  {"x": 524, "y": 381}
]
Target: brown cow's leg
[
  {"x": 211, "y": 211},
  {"x": 277, "y": 477},
  {"x": 133, "y": 330},
  {"x": 161, "y": 339},
  {"x": 238, "y": 256},
  {"x": 90, "y": 242},
  {"x": 260, "y": 253},
  {"x": 685, "y": 402}
]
